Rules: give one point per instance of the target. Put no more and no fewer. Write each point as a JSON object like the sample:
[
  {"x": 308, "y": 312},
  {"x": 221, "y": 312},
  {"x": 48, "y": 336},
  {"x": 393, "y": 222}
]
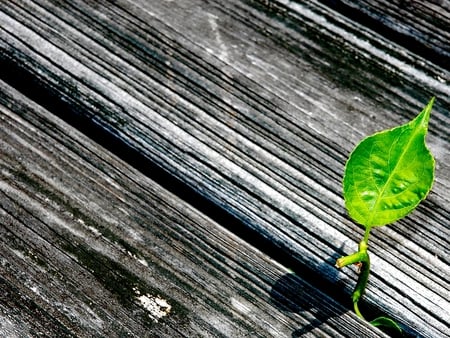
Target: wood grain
[
  {"x": 89, "y": 244},
  {"x": 255, "y": 106},
  {"x": 420, "y": 26}
]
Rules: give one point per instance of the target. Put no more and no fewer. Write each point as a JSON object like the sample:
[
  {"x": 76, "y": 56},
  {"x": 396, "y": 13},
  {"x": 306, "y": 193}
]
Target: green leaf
[
  {"x": 389, "y": 173},
  {"x": 387, "y": 323}
]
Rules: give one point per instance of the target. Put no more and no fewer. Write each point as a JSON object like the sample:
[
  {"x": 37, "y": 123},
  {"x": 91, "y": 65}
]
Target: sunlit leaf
[{"x": 389, "y": 173}]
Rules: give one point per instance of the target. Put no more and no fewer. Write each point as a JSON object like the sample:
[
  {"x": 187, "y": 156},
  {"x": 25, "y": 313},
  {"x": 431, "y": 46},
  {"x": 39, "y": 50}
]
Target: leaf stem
[
  {"x": 362, "y": 280},
  {"x": 361, "y": 257},
  {"x": 358, "y": 313},
  {"x": 366, "y": 235}
]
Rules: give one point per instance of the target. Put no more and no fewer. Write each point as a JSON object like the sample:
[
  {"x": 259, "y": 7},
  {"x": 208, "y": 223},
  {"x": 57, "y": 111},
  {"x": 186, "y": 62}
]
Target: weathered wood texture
[
  {"x": 255, "y": 106},
  {"x": 91, "y": 247},
  {"x": 420, "y": 26}
]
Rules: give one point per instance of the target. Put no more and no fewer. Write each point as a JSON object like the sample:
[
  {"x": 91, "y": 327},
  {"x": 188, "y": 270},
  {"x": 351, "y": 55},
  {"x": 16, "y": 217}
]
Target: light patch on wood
[
  {"x": 156, "y": 306},
  {"x": 212, "y": 19},
  {"x": 140, "y": 260},
  {"x": 239, "y": 305},
  {"x": 92, "y": 229},
  {"x": 12, "y": 329},
  {"x": 131, "y": 233}
]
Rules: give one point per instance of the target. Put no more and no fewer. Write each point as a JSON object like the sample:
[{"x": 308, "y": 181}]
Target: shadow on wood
[{"x": 290, "y": 293}]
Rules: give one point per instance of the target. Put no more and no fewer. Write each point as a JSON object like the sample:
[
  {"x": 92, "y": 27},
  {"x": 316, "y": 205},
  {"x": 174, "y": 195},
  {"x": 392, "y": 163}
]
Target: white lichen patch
[
  {"x": 156, "y": 306},
  {"x": 140, "y": 260},
  {"x": 143, "y": 262},
  {"x": 92, "y": 229}
]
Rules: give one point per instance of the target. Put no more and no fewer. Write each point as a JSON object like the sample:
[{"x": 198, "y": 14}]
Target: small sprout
[
  {"x": 386, "y": 322},
  {"x": 386, "y": 176}
]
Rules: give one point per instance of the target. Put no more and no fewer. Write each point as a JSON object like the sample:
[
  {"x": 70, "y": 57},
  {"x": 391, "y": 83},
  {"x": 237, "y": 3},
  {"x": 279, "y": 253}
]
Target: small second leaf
[
  {"x": 389, "y": 173},
  {"x": 386, "y": 323}
]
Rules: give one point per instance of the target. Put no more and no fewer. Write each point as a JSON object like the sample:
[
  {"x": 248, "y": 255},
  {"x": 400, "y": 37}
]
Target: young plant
[{"x": 386, "y": 176}]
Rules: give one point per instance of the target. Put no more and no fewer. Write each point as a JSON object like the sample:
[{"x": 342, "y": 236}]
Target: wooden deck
[{"x": 173, "y": 168}]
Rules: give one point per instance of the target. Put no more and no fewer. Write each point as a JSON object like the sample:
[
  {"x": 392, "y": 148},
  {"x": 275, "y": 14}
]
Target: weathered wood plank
[
  {"x": 89, "y": 245},
  {"x": 420, "y": 26},
  {"x": 258, "y": 113}
]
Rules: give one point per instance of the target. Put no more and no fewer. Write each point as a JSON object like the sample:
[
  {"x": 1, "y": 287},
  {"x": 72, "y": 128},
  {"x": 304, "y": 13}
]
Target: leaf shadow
[{"x": 302, "y": 293}]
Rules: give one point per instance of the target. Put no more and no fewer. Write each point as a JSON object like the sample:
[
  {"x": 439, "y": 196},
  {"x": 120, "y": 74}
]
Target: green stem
[
  {"x": 354, "y": 258},
  {"x": 362, "y": 257},
  {"x": 358, "y": 313},
  {"x": 362, "y": 280},
  {"x": 366, "y": 235}
]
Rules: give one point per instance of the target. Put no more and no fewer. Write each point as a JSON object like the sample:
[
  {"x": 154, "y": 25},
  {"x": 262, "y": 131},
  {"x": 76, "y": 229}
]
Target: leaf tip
[
  {"x": 428, "y": 107},
  {"x": 424, "y": 116},
  {"x": 430, "y": 103}
]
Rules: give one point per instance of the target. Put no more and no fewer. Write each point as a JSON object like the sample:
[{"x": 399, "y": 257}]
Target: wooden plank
[
  {"x": 90, "y": 247},
  {"x": 420, "y": 26},
  {"x": 257, "y": 110}
]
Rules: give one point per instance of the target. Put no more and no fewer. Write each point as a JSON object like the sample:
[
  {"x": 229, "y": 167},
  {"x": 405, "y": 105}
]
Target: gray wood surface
[
  {"x": 254, "y": 107},
  {"x": 92, "y": 247},
  {"x": 420, "y": 26}
]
